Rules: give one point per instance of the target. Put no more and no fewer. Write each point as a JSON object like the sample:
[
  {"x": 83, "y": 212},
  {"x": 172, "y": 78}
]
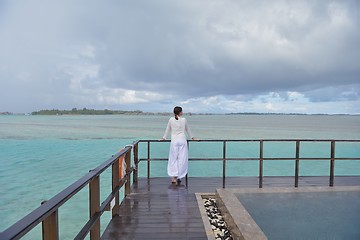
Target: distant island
[{"x": 85, "y": 111}]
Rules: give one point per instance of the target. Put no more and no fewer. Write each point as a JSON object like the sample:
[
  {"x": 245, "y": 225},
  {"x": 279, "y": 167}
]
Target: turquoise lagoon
[{"x": 42, "y": 155}]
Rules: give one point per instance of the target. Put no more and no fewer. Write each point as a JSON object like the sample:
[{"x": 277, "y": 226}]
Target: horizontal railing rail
[
  {"x": 256, "y": 140},
  {"x": 332, "y": 158},
  {"x": 47, "y": 213}
]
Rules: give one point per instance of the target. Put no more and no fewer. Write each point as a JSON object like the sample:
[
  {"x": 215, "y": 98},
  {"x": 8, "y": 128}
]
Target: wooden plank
[
  {"x": 50, "y": 227},
  {"x": 115, "y": 183},
  {"x": 94, "y": 206}
]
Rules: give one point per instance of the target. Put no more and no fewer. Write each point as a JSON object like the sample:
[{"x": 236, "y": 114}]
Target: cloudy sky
[{"x": 213, "y": 56}]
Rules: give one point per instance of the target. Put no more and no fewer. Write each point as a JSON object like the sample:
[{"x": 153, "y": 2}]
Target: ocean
[{"x": 42, "y": 155}]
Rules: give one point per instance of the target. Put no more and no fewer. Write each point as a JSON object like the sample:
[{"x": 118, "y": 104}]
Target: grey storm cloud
[
  {"x": 235, "y": 47},
  {"x": 64, "y": 51}
]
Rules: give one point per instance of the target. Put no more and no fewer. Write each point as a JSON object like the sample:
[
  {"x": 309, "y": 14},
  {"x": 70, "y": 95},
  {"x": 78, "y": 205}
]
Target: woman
[{"x": 178, "y": 154}]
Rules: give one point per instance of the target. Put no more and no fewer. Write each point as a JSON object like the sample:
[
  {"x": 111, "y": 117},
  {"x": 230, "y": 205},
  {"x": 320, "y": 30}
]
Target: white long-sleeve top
[{"x": 177, "y": 129}]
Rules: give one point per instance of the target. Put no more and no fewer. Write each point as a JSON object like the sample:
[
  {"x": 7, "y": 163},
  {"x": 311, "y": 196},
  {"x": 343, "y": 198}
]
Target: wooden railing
[
  {"x": 332, "y": 158},
  {"x": 47, "y": 213}
]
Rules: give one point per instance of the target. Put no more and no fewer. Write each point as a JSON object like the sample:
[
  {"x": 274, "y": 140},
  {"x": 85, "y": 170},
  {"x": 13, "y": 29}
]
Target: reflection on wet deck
[{"x": 156, "y": 209}]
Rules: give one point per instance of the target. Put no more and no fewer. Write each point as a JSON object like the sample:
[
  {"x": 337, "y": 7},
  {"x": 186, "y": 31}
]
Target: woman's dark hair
[{"x": 177, "y": 111}]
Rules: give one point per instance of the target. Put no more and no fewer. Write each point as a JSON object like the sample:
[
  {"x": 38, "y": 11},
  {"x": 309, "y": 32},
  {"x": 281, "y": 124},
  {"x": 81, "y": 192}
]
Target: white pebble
[{"x": 216, "y": 220}]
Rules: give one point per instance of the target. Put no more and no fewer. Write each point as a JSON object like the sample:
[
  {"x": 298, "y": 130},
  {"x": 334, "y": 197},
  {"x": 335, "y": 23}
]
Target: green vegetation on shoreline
[{"x": 84, "y": 111}]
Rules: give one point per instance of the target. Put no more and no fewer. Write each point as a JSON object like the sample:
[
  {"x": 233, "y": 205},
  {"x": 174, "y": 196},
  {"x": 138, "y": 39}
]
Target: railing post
[
  {"x": 128, "y": 162},
  {"x": 136, "y": 160},
  {"x": 94, "y": 191},
  {"x": 115, "y": 184},
  {"x": 50, "y": 226},
  {"x": 148, "y": 160},
  {"x": 224, "y": 162},
  {"x": 261, "y": 163},
  {"x": 332, "y": 163},
  {"x": 297, "y": 163},
  {"x": 186, "y": 176}
]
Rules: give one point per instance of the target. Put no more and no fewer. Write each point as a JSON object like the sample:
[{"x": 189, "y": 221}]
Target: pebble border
[{"x": 217, "y": 222}]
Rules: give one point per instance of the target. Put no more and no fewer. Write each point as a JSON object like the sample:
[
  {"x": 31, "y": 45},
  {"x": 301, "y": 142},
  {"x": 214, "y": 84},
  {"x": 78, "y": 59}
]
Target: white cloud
[
  {"x": 82, "y": 74},
  {"x": 296, "y": 96},
  {"x": 292, "y": 102},
  {"x": 88, "y": 51},
  {"x": 124, "y": 96}
]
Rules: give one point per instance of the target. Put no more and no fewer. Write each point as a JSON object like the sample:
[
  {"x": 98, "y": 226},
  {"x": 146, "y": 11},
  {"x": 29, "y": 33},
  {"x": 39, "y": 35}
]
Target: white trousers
[{"x": 178, "y": 158}]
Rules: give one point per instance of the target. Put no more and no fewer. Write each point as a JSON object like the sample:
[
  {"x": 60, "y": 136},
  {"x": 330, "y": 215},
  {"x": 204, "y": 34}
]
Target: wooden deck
[{"x": 157, "y": 209}]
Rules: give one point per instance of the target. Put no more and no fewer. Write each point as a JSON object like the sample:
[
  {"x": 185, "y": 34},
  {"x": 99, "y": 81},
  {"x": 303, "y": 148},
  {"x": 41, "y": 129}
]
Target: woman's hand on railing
[
  {"x": 195, "y": 139},
  {"x": 161, "y": 139}
]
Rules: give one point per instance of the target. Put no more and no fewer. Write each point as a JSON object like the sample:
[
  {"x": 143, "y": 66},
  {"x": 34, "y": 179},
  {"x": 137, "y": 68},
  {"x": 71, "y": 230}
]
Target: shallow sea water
[{"x": 42, "y": 155}]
